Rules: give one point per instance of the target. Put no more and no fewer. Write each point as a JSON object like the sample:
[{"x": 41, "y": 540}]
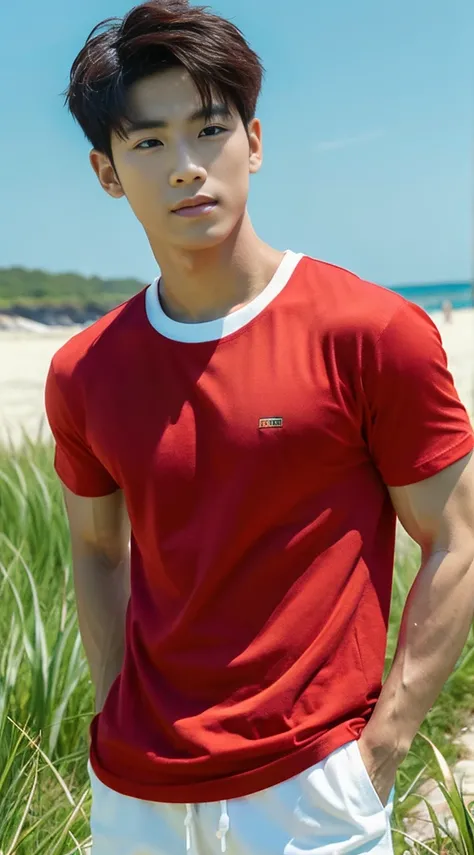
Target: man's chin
[{"x": 209, "y": 239}]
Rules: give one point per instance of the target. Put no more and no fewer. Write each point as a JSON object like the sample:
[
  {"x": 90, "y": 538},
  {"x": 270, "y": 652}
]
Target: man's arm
[
  {"x": 439, "y": 514},
  {"x": 100, "y": 533}
]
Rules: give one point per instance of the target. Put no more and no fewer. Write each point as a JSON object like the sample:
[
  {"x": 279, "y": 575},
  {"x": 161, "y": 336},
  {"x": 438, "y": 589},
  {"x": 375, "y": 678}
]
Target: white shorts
[{"x": 330, "y": 809}]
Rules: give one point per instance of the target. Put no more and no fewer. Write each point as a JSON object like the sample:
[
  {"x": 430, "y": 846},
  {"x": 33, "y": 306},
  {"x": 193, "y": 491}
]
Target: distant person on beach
[
  {"x": 235, "y": 443},
  {"x": 448, "y": 311}
]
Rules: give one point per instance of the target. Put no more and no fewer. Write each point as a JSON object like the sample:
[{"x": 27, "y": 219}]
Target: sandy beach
[
  {"x": 24, "y": 362},
  {"x": 25, "y": 358}
]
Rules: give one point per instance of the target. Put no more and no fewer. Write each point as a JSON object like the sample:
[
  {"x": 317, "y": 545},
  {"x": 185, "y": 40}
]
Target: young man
[{"x": 251, "y": 424}]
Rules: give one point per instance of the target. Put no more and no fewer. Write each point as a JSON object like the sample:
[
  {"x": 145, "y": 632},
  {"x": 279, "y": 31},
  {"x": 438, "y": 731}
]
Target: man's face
[{"x": 172, "y": 154}]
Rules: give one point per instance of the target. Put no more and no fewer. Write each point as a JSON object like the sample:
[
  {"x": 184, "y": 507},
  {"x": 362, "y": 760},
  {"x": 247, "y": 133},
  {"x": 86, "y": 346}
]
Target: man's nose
[{"x": 187, "y": 171}]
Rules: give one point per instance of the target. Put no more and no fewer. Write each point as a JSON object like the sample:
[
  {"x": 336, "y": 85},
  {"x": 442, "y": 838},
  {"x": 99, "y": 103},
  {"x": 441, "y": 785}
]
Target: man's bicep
[
  {"x": 438, "y": 512},
  {"x": 98, "y": 524}
]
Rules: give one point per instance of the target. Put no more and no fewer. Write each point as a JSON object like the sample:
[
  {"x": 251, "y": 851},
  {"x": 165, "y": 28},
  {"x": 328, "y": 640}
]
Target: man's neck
[{"x": 207, "y": 284}]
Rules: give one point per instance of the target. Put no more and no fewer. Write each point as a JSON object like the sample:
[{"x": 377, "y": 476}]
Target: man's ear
[
  {"x": 255, "y": 143},
  {"x": 106, "y": 174}
]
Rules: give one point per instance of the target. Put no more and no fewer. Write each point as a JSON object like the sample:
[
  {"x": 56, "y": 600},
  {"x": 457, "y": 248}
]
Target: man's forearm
[
  {"x": 102, "y": 596},
  {"x": 434, "y": 629}
]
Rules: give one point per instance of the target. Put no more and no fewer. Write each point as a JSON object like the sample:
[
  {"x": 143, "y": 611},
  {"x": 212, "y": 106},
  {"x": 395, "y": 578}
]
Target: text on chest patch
[{"x": 270, "y": 423}]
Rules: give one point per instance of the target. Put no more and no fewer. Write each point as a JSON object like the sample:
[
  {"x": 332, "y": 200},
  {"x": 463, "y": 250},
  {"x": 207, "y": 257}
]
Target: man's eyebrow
[{"x": 214, "y": 112}]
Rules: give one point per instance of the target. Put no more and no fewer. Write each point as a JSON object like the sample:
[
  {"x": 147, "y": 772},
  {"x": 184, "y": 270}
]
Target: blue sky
[{"x": 368, "y": 123}]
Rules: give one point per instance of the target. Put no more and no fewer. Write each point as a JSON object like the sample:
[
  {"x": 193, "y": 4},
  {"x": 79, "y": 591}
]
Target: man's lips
[{"x": 198, "y": 210}]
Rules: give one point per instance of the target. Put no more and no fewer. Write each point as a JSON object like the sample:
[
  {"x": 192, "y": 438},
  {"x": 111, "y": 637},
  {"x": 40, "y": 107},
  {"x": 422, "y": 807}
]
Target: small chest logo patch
[{"x": 270, "y": 423}]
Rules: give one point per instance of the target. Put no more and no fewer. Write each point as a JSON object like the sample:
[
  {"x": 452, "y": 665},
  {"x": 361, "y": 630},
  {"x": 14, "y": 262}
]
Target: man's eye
[
  {"x": 147, "y": 144},
  {"x": 212, "y": 131}
]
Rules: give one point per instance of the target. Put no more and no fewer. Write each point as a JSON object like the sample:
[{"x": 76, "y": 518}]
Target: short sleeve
[
  {"x": 416, "y": 423},
  {"x": 74, "y": 461}
]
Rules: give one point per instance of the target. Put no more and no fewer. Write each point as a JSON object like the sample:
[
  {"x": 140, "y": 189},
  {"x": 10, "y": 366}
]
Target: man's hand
[{"x": 381, "y": 762}]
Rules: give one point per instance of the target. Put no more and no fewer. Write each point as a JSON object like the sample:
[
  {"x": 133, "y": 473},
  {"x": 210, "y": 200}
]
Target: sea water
[{"x": 432, "y": 297}]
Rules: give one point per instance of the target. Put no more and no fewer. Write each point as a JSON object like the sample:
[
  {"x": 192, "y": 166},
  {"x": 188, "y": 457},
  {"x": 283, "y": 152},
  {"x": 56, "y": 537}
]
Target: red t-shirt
[{"x": 253, "y": 453}]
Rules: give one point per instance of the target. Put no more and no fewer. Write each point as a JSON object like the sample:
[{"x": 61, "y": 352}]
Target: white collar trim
[{"x": 220, "y": 327}]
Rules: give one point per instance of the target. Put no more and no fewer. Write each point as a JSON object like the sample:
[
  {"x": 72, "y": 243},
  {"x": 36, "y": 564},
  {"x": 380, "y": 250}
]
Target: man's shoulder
[
  {"x": 104, "y": 335},
  {"x": 345, "y": 301}
]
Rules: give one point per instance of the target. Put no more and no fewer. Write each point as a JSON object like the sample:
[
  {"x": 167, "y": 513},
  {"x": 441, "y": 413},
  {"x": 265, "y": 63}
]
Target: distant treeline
[{"x": 37, "y": 288}]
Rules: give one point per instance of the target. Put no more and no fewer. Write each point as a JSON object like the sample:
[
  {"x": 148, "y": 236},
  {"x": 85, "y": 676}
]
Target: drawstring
[
  {"x": 224, "y": 825},
  {"x": 188, "y": 822}
]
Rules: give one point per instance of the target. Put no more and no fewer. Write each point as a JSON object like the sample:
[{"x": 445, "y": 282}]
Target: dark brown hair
[{"x": 154, "y": 36}]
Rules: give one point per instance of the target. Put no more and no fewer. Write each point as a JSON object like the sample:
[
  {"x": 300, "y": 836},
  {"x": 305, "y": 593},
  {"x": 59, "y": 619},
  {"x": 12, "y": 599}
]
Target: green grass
[
  {"x": 45, "y": 692},
  {"x": 46, "y": 698}
]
